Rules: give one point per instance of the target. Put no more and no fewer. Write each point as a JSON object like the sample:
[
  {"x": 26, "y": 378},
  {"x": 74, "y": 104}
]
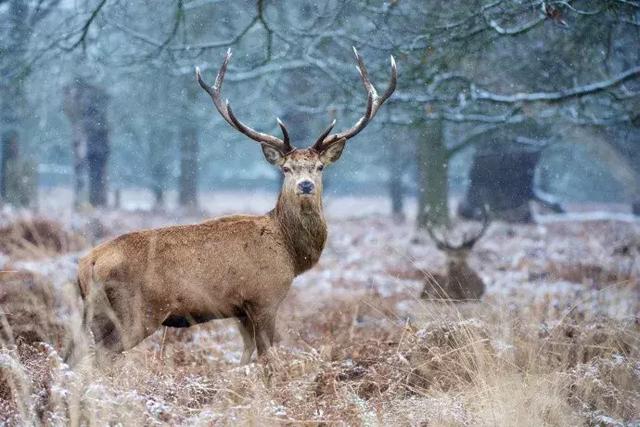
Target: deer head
[
  {"x": 458, "y": 253},
  {"x": 302, "y": 168}
]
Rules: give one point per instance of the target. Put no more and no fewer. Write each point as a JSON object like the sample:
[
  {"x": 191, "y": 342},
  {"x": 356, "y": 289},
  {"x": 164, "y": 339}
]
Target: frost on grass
[{"x": 555, "y": 340}]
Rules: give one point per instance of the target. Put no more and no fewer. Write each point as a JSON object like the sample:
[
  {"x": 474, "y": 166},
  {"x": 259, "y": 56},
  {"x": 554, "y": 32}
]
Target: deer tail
[{"x": 85, "y": 277}]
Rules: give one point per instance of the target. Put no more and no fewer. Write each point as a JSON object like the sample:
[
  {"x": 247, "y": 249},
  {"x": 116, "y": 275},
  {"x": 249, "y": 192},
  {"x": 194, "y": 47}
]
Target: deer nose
[{"x": 306, "y": 186}]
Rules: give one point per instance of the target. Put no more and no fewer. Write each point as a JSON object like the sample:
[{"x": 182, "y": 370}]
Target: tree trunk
[
  {"x": 160, "y": 161},
  {"x": 117, "y": 198},
  {"x": 189, "y": 152},
  {"x": 433, "y": 167},
  {"x": 98, "y": 149},
  {"x": 86, "y": 107},
  {"x": 12, "y": 99},
  {"x": 9, "y": 162},
  {"x": 188, "y": 183},
  {"x": 97, "y": 180},
  {"x": 396, "y": 190},
  {"x": 18, "y": 178},
  {"x": 503, "y": 180},
  {"x": 79, "y": 145},
  {"x": 158, "y": 198}
]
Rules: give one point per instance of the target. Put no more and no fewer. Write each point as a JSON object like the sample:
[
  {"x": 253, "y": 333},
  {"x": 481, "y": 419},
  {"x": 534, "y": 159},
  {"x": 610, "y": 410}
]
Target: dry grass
[
  {"x": 37, "y": 238},
  {"x": 488, "y": 369},
  {"x": 349, "y": 355},
  {"x": 592, "y": 275}
]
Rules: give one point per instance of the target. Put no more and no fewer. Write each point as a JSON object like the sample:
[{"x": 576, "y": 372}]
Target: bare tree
[
  {"x": 18, "y": 22},
  {"x": 188, "y": 181},
  {"x": 86, "y": 107},
  {"x": 478, "y": 66}
]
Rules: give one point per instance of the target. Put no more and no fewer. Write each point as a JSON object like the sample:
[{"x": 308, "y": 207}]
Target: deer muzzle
[{"x": 306, "y": 187}]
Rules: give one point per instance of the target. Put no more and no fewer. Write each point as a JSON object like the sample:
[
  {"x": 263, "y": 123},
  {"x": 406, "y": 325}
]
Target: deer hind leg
[
  {"x": 248, "y": 333},
  {"x": 119, "y": 321},
  {"x": 265, "y": 332},
  {"x": 105, "y": 321}
]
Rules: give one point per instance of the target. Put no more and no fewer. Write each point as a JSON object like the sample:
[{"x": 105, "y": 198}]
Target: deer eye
[
  {"x": 286, "y": 169},
  {"x": 320, "y": 167}
]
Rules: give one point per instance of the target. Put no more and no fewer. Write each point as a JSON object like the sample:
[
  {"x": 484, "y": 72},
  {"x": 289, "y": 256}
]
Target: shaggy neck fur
[
  {"x": 302, "y": 223},
  {"x": 458, "y": 266}
]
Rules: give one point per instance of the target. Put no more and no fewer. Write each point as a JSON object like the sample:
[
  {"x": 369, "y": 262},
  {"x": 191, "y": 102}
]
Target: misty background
[
  {"x": 512, "y": 104},
  {"x": 421, "y": 310}
]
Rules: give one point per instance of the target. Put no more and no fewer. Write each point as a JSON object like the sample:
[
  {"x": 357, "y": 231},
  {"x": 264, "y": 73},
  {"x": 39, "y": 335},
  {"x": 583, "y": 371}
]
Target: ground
[{"x": 554, "y": 341}]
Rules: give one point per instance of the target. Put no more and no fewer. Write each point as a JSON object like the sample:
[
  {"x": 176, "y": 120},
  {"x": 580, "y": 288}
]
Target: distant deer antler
[
  {"x": 468, "y": 242},
  {"x": 282, "y": 145},
  {"x": 374, "y": 101}
]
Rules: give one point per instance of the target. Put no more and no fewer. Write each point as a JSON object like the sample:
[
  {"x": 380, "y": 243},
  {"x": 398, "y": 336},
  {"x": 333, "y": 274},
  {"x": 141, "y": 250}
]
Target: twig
[
  {"x": 86, "y": 26},
  {"x": 479, "y": 94}
]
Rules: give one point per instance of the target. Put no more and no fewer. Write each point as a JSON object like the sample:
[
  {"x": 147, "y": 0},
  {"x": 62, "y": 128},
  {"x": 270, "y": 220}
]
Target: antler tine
[
  {"x": 214, "y": 91},
  {"x": 318, "y": 144},
  {"x": 374, "y": 101},
  {"x": 469, "y": 243},
  {"x": 364, "y": 74},
  {"x": 285, "y": 134},
  {"x": 225, "y": 111},
  {"x": 350, "y": 133},
  {"x": 392, "y": 82},
  {"x": 440, "y": 243}
]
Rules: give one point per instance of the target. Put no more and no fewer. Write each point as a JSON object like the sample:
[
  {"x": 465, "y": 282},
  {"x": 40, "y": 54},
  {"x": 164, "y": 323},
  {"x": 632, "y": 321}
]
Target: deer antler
[
  {"x": 282, "y": 145},
  {"x": 467, "y": 241},
  {"x": 374, "y": 101}
]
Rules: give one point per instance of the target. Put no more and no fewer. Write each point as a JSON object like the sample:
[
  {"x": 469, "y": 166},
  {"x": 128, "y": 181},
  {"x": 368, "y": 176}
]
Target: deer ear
[
  {"x": 333, "y": 152},
  {"x": 272, "y": 155}
]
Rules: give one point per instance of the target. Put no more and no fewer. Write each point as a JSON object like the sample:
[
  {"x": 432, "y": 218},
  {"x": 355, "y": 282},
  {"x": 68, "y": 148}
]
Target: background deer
[
  {"x": 237, "y": 266},
  {"x": 460, "y": 282}
]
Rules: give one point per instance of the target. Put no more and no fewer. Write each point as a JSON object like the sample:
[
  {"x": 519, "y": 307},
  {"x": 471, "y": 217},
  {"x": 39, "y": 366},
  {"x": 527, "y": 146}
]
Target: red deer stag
[
  {"x": 237, "y": 266},
  {"x": 461, "y": 282}
]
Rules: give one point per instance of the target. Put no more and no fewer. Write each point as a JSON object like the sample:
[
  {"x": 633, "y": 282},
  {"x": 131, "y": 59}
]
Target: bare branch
[
  {"x": 259, "y": 18},
  {"x": 87, "y": 26},
  {"x": 479, "y": 94},
  {"x": 254, "y": 73},
  {"x": 516, "y": 116},
  {"x": 514, "y": 30},
  {"x": 513, "y": 116},
  {"x": 629, "y": 3},
  {"x": 470, "y": 139},
  {"x": 191, "y": 47},
  {"x": 41, "y": 11}
]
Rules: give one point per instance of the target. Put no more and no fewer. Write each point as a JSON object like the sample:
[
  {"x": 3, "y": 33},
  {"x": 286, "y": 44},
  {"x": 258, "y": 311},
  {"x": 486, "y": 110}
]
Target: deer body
[
  {"x": 460, "y": 282},
  {"x": 237, "y": 266}
]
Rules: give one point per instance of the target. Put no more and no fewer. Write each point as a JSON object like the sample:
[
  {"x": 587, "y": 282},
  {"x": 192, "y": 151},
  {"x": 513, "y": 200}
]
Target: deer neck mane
[
  {"x": 459, "y": 267},
  {"x": 302, "y": 223}
]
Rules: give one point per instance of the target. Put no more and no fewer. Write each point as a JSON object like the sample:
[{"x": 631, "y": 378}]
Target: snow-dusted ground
[
  {"x": 365, "y": 287},
  {"x": 368, "y": 252}
]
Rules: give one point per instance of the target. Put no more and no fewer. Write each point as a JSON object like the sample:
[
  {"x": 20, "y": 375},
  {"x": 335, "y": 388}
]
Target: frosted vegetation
[
  {"x": 525, "y": 110},
  {"x": 554, "y": 340}
]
